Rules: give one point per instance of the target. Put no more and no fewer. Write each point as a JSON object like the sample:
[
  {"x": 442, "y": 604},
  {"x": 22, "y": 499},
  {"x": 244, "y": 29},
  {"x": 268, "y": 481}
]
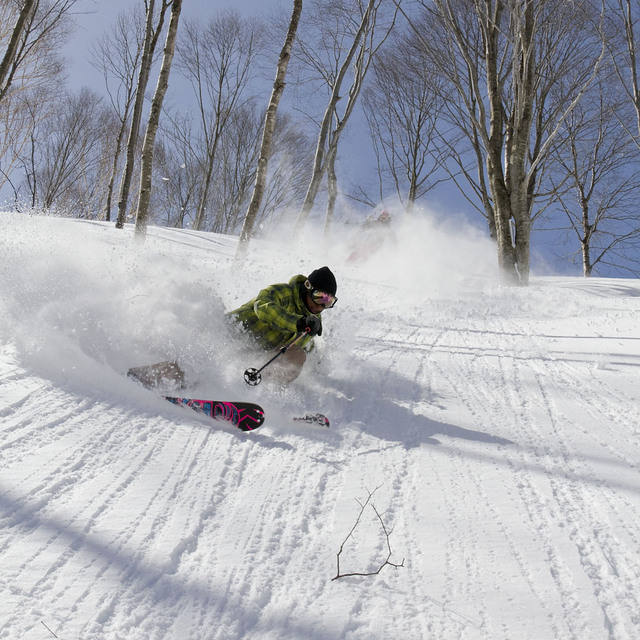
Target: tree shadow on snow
[
  {"x": 390, "y": 408},
  {"x": 161, "y": 585},
  {"x": 403, "y": 425}
]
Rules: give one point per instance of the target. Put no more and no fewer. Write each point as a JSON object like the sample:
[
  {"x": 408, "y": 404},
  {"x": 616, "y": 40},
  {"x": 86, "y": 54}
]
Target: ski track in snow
[
  {"x": 562, "y": 499},
  {"x": 500, "y": 449}
]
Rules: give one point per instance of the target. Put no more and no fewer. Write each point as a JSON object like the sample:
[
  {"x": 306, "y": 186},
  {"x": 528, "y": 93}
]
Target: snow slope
[{"x": 496, "y": 431}]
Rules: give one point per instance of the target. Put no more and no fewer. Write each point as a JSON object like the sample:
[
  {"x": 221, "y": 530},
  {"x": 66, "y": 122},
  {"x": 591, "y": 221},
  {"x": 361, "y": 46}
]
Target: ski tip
[{"x": 315, "y": 418}]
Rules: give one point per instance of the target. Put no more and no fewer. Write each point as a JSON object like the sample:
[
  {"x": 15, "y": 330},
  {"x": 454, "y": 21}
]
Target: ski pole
[{"x": 252, "y": 376}]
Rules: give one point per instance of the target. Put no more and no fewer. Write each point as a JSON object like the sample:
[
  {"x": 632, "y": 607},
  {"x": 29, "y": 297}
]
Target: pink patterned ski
[{"x": 246, "y": 416}]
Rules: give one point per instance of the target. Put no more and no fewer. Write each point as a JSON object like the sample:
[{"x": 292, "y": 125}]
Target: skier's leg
[
  {"x": 288, "y": 366},
  {"x": 162, "y": 373}
]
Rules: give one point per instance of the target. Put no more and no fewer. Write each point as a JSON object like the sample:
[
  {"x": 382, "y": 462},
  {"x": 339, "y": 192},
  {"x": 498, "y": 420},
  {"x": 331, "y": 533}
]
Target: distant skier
[
  {"x": 282, "y": 311},
  {"x": 376, "y": 231}
]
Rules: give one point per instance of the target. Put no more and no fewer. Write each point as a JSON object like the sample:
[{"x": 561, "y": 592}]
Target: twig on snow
[
  {"x": 387, "y": 534},
  {"x": 49, "y": 630}
]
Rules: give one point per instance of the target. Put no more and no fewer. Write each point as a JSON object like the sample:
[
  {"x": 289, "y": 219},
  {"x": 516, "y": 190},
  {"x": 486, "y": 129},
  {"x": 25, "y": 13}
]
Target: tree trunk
[
  {"x": 587, "y": 268},
  {"x": 150, "y": 42},
  {"x": 146, "y": 171},
  {"x": 204, "y": 197},
  {"x": 267, "y": 136},
  {"x": 114, "y": 170},
  {"x": 332, "y": 193},
  {"x": 319, "y": 164},
  {"x": 12, "y": 49}
]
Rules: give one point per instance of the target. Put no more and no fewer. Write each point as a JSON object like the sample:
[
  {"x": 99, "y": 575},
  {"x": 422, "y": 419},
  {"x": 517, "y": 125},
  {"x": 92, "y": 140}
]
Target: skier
[
  {"x": 273, "y": 318},
  {"x": 376, "y": 232},
  {"x": 282, "y": 311}
]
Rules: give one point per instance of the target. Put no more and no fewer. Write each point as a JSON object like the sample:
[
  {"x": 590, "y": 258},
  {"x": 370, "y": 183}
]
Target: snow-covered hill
[{"x": 497, "y": 433}]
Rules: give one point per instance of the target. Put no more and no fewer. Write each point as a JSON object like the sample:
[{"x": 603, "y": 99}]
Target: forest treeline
[{"x": 530, "y": 108}]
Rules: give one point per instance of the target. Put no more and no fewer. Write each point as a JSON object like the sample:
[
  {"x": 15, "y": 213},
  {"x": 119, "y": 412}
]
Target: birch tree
[
  {"x": 516, "y": 69},
  {"x": 11, "y": 54},
  {"x": 341, "y": 50},
  {"x": 153, "y": 30},
  {"x": 267, "y": 136},
  {"x": 179, "y": 176},
  {"x": 623, "y": 19},
  {"x": 290, "y": 161},
  {"x": 144, "y": 195},
  {"x": 285, "y": 183},
  {"x": 117, "y": 57},
  {"x": 39, "y": 27}
]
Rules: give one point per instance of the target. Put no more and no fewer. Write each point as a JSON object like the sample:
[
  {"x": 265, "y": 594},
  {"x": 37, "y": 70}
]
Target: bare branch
[{"x": 387, "y": 533}]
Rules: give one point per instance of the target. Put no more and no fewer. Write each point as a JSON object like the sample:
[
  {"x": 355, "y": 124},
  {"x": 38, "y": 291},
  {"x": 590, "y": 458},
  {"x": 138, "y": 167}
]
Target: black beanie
[{"x": 323, "y": 280}]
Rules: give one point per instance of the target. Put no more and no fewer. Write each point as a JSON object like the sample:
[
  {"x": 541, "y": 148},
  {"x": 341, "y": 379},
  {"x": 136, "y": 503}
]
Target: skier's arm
[{"x": 271, "y": 307}]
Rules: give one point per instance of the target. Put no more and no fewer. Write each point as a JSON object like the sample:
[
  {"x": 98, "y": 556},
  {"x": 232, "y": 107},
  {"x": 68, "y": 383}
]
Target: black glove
[{"x": 312, "y": 323}]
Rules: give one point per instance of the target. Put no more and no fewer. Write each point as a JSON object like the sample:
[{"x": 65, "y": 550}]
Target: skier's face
[
  {"x": 313, "y": 306},
  {"x": 325, "y": 300},
  {"x": 317, "y": 300}
]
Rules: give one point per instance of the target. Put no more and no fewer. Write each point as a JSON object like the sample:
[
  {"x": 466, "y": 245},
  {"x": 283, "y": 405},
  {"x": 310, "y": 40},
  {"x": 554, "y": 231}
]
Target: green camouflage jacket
[{"x": 272, "y": 315}]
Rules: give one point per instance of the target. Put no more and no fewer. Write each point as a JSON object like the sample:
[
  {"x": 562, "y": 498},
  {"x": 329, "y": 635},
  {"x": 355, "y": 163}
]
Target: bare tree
[
  {"x": 26, "y": 154},
  {"x": 218, "y": 58},
  {"x": 290, "y": 163},
  {"x": 63, "y": 153},
  {"x": 236, "y": 169},
  {"x": 11, "y": 54},
  {"x": 288, "y": 158},
  {"x": 350, "y": 26},
  {"x": 152, "y": 33},
  {"x": 31, "y": 34},
  {"x": 502, "y": 58},
  {"x": 117, "y": 56},
  {"x": 177, "y": 177},
  {"x": 596, "y": 179},
  {"x": 20, "y": 115},
  {"x": 144, "y": 195},
  {"x": 623, "y": 20},
  {"x": 269, "y": 127},
  {"x": 403, "y": 108},
  {"x": 40, "y": 27},
  {"x": 180, "y": 175}
]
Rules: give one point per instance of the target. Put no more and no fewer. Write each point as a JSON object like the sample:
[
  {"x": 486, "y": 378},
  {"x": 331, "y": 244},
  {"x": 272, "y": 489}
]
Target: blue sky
[{"x": 94, "y": 17}]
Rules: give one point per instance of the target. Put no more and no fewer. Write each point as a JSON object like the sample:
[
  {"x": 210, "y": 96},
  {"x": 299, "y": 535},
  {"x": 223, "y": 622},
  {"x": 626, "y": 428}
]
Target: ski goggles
[{"x": 322, "y": 298}]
